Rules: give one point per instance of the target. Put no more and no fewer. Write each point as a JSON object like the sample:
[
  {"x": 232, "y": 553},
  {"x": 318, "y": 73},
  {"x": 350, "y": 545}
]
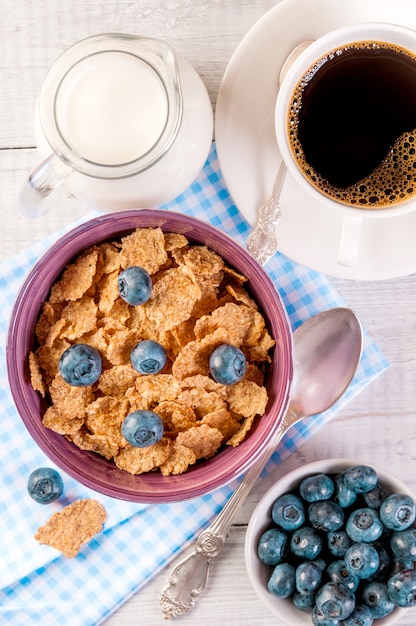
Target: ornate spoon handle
[
  {"x": 188, "y": 578},
  {"x": 262, "y": 242}
]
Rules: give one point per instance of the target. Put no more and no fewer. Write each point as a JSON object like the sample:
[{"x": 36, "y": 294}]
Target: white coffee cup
[
  {"x": 123, "y": 122},
  {"x": 316, "y": 53}
]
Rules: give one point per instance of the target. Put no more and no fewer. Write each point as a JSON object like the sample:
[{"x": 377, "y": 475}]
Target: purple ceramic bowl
[{"x": 91, "y": 469}]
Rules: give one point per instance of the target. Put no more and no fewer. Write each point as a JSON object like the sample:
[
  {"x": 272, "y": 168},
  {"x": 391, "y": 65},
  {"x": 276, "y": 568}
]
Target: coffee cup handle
[
  {"x": 350, "y": 240},
  {"x": 43, "y": 180}
]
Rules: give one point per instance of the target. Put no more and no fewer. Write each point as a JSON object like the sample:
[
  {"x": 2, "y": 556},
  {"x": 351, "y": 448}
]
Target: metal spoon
[
  {"x": 262, "y": 241},
  {"x": 327, "y": 349}
]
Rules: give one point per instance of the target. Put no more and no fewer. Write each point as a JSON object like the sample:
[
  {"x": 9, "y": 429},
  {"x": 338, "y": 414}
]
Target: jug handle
[{"x": 43, "y": 180}]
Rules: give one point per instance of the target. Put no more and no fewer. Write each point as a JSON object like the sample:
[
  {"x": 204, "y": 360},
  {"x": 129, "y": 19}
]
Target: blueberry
[
  {"x": 326, "y": 515},
  {"x": 364, "y": 525},
  {"x": 335, "y": 601},
  {"x": 319, "y": 619},
  {"x": 402, "y": 588},
  {"x": 338, "y": 541},
  {"x": 384, "y": 566},
  {"x": 361, "y": 616},
  {"x": 142, "y": 428},
  {"x": 375, "y": 497},
  {"x": 321, "y": 563},
  {"x": 360, "y": 478},
  {"x": 308, "y": 577},
  {"x": 227, "y": 364},
  {"x": 375, "y": 595},
  {"x": 319, "y": 487},
  {"x": 80, "y": 365},
  {"x": 134, "y": 285},
  {"x": 306, "y": 543},
  {"x": 272, "y": 546},
  {"x": 303, "y": 601},
  {"x": 148, "y": 357},
  {"x": 45, "y": 485},
  {"x": 362, "y": 560},
  {"x": 398, "y": 511},
  {"x": 397, "y": 565},
  {"x": 338, "y": 573},
  {"x": 343, "y": 495},
  {"x": 403, "y": 544},
  {"x": 288, "y": 512},
  {"x": 282, "y": 581}
]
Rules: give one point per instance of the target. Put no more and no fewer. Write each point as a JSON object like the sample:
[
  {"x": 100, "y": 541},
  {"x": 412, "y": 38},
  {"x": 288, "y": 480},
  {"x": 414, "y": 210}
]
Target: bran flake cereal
[
  {"x": 203, "y": 440},
  {"x": 36, "y": 378},
  {"x": 101, "y": 444},
  {"x": 71, "y": 402},
  {"x": 178, "y": 461},
  {"x": 59, "y": 423},
  {"x": 223, "y": 421},
  {"x": 139, "y": 460},
  {"x": 145, "y": 247},
  {"x": 76, "y": 279},
  {"x": 69, "y": 529},
  {"x": 197, "y": 303}
]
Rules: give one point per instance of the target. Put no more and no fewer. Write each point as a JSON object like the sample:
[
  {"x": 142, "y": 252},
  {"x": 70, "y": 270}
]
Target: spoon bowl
[
  {"x": 322, "y": 373},
  {"x": 327, "y": 350}
]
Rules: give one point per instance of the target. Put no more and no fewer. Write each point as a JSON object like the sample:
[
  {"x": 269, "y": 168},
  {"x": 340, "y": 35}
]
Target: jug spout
[{"x": 45, "y": 178}]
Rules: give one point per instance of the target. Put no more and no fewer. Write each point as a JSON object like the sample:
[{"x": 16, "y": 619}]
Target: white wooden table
[{"x": 378, "y": 427}]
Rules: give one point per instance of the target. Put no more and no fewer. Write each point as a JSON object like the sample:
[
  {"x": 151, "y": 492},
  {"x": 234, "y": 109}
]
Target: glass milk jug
[{"x": 122, "y": 122}]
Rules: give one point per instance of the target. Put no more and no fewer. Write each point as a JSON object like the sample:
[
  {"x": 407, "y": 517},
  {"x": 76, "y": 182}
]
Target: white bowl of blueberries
[{"x": 333, "y": 543}]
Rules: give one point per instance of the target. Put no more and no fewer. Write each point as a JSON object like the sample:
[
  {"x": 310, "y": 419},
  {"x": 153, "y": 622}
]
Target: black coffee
[{"x": 352, "y": 124}]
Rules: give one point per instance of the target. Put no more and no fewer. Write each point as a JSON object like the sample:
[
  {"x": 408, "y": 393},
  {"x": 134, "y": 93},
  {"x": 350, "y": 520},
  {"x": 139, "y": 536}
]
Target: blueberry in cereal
[
  {"x": 134, "y": 285},
  {"x": 80, "y": 365},
  {"x": 227, "y": 364},
  {"x": 148, "y": 357},
  {"x": 142, "y": 428}
]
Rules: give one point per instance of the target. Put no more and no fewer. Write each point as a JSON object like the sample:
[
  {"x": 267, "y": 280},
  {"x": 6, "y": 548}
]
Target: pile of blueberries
[{"x": 342, "y": 548}]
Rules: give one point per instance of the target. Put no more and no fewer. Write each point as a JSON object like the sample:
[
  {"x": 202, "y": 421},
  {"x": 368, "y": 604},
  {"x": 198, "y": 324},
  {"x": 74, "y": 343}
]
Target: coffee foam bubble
[{"x": 392, "y": 182}]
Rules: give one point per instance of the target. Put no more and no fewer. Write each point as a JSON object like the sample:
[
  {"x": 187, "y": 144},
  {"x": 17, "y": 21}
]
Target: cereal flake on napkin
[{"x": 75, "y": 525}]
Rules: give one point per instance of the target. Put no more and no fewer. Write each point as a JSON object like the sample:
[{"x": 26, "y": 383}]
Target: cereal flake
[
  {"x": 139, "y": 460},
  {"x": 76, "y": 279},
  {"x": 203, "y": 440},
  {"x": 69, "y": 529}
]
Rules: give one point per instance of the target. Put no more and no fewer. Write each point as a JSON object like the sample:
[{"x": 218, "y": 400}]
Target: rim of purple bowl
[{"x": 91, "y": 469}]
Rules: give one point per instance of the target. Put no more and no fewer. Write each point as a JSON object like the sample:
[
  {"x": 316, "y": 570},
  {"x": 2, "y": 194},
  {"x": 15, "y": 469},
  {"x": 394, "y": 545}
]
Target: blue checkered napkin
[
  {"x": 40, "y": 586},
  {"x": 19, "y": 456}
]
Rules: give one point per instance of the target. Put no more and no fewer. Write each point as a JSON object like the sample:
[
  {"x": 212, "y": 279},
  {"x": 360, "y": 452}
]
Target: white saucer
[{"x": 308, "y": 232}]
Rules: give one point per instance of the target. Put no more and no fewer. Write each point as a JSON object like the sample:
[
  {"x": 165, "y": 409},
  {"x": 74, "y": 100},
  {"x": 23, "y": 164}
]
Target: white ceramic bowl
[{"x": 261, "y": 520}]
